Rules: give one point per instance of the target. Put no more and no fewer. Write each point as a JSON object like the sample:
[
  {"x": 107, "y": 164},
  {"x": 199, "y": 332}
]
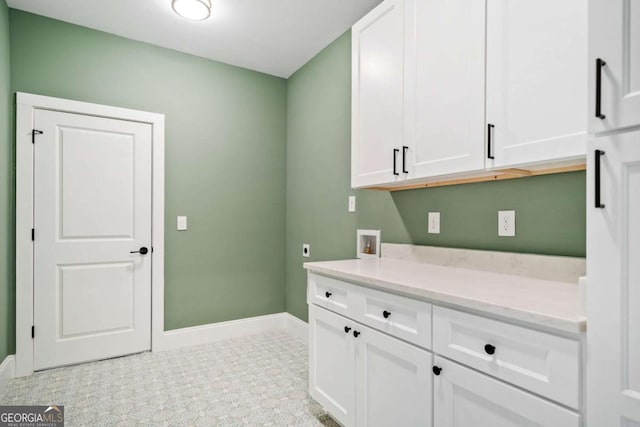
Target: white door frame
[{"x": 26, "y": 105}]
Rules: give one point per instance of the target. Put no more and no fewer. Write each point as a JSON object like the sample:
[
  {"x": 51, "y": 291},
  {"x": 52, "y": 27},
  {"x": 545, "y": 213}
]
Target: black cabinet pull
[
  {"x": 386, "y": 314},
  {"x": 404, "y": 159},
  {"x": 346, "y": 329},
  {"x": 141, "y": 251},
  {"x": 327, "y": 294},
  {"x": 599, "y": 64},
  {"x": 599, "y": 154},
  {"x": 489, "y": 349},
  {"x": 356, "y": 333},
  {"x": 489, "y": 132},
  {"x": 395, "y": 155},
  {"x": 436, "y": 370}
]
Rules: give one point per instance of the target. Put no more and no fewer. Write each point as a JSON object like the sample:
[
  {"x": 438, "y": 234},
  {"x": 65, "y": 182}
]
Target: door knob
[
  {"x": 386, "y": 314},
  {"x": 142, "y": 251},
  {"x": 436, "y": 370}
]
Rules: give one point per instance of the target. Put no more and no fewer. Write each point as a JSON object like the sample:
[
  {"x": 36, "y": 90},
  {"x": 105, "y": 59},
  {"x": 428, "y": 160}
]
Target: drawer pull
[
  {"x": 436, "y": 370},
  {"x": 386, "y": 314},
  {"x": 327, "y": 294},
  {"x": 346, "y": 329},
  {"x": 356, "y": 333},
  {"x": 489, "y": 349}
]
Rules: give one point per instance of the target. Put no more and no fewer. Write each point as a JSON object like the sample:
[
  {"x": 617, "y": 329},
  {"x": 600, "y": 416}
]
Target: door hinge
[
  {"x": 35, "y": 132},
  {"x": 33, "y": 331},
  {"x": 33, "y": 234}
]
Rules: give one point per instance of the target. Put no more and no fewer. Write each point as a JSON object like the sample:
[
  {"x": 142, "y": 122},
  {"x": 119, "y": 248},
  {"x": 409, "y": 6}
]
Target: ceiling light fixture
[{"x": 196, "y": 10}]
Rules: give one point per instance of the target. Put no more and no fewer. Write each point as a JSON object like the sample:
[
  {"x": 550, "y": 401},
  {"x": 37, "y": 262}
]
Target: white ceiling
[{"x": 273, "y": 36}]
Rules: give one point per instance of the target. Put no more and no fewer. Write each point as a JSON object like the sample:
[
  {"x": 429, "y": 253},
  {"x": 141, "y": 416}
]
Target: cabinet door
[
  {"x": 445, "y": 71},
  {"x": 377, "y": 96},
  {"x": 613, "y": 297},
  {"x": 393, "y": 381},
  {"x": 614, "y": 37},
  {"x": 465, "y": 398},
  {"x": 536, "y": 80},
  {"x": 331, "y": 364}
]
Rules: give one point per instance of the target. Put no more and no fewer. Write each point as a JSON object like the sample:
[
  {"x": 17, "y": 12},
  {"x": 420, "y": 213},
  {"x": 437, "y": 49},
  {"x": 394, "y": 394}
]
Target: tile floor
[{"x": 259, "y": 380}]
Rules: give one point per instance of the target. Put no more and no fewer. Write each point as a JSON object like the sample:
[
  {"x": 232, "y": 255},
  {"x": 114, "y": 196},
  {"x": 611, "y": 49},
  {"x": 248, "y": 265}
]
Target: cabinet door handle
[
  {"x": 489, "y": 132},
  {"x": 436, "y": 370},
  {"x": 386, "y": 314},
  {"x": 404, "y": 159},
  {"x": 489, "y": 349},
  {"x": 395, "y": 157},
  {"x": 327, "y": 294},
  {"x": 599, "y": 64},
  {"x": 356, "y": 333},
  {"x": 346, "y": 329},
  {"x": 599, "y": 154}
]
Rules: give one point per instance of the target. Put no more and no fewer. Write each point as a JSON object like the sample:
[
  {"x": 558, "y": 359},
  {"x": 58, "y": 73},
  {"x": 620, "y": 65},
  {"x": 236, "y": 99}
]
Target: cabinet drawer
[
  {"x": 331, "y": 294},
  {"x": 466, "y": 398},
  {"x": 401, "y": 317},
  {"x": 543, "y": 363}
]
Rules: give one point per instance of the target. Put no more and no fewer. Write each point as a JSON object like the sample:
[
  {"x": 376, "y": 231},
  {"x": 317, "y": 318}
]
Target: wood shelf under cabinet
[{"x": 495, "y": 175}]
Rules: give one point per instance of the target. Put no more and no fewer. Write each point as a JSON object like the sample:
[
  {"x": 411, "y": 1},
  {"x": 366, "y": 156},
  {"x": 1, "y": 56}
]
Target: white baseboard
[
  {"x": 196, "y": 335},
  {"x": 296, "y": 327},
  {"x": 7, "y": 370}
]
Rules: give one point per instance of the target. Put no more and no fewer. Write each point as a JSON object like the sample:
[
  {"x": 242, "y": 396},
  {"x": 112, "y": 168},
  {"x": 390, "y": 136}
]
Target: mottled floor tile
[{"x": 258, "y": 380}]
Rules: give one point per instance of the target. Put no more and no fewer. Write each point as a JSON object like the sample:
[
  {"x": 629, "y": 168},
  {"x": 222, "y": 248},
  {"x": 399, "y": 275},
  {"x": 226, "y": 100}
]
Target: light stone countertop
[{"x": 544, "y": 303}]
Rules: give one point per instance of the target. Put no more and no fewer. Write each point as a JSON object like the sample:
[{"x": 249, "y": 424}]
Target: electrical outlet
[
  {"x": 507, "y": 223},
  {"x": 434, "y": 223},
  {"x": 306, "y": 250},
  {"x": 352, "y": 203}
]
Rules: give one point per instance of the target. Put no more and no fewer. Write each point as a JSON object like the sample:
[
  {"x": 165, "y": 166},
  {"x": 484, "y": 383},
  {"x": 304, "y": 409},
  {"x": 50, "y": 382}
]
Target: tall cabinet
[
  {"x": 614, "y": 64},
  {"x": 613, "y": 215}
]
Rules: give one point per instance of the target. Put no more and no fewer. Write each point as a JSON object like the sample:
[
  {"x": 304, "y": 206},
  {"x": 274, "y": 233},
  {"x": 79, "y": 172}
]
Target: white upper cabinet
[
  {"x": 378, "y": 96},
  {"x": 613, "y": 297},
  {"x": 614, "y": 81},
  {"x": 445, "y": 87},
  {"x": 536, "y": 80}
]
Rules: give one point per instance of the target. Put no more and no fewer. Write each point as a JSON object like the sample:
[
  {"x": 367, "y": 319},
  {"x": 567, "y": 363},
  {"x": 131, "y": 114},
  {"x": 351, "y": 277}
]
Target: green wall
[
  {"x": 7, "y": 306},
  {"x": 550, "y": 210},
  {"x": 225, "y": 157},
  {"x": 251, "y": 198}
]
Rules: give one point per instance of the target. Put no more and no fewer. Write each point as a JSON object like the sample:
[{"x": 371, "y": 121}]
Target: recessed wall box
[{"x": 368, "y": 244}]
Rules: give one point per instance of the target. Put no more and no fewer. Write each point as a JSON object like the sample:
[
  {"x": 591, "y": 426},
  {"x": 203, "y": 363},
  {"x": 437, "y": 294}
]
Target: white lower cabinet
[
  {"x": 366, "y": 378},
  {"x": 370, "y": 364},
  {"x": 465, "y": 398}
]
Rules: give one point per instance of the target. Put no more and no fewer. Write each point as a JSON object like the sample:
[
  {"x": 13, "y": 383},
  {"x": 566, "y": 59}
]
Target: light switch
[
  {"x": 352, "y": 203},
  {"x": 182, "y": 223}
]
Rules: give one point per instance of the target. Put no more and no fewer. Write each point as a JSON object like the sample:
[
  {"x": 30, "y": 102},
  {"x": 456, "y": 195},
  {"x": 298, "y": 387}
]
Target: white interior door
[{"x": 92, "y": 207}]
